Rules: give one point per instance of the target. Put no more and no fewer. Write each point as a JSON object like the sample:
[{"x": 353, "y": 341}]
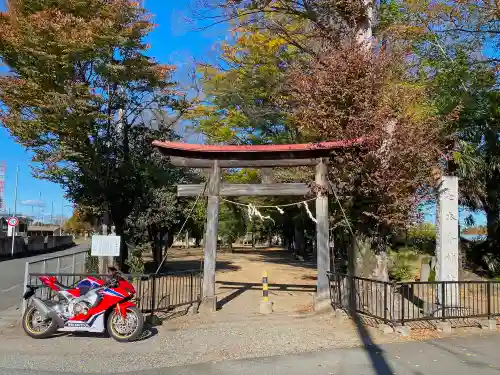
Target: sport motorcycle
[{"x": 94, "y": 305}]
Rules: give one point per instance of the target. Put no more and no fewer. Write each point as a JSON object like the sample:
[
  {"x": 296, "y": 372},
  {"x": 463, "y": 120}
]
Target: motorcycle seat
[{"x": 61, "y": 286}]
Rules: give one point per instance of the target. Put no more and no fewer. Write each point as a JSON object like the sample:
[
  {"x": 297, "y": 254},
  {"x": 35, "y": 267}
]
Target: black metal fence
[
  {"x": 401, "y": 302},
  {"x": 154, "y": 292}
]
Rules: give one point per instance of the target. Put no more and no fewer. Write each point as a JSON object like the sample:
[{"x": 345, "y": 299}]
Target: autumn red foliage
[{"x": 350, "y": 92}]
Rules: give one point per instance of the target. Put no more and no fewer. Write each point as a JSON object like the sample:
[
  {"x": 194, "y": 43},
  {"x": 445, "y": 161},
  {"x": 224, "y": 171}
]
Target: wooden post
[
  {"x": 321, "y": 301},
  {"x": 210, "y": 243}
]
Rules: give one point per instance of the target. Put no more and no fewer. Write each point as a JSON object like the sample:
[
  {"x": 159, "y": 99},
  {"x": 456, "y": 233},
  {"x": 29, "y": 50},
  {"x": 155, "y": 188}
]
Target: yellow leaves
[
  {"x": 200, "y": 111},
  {"x": 407, "y": 100}
]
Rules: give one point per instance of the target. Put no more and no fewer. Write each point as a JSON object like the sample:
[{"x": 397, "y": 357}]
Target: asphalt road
[
  {"x": 12, "y": 272},
  {"x": 476, "y": 354}
]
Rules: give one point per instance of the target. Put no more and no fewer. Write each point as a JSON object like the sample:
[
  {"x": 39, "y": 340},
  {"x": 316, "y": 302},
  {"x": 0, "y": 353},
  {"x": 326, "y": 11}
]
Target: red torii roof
[{"x": 279, "y": 151}]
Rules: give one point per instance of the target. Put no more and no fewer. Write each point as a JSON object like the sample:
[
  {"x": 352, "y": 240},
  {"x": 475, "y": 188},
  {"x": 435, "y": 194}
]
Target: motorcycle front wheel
[
  {"x": 128, "y": 328},
  {"x": 37, "y": 327}
]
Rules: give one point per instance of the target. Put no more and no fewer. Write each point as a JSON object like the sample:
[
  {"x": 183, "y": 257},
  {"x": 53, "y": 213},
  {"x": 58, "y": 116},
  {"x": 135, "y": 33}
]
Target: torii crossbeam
[{"x": 217, "y": 157}]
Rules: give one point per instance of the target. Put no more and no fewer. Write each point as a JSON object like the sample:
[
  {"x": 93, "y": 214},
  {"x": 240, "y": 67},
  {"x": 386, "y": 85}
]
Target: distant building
[{"x": 44, "y": 230}]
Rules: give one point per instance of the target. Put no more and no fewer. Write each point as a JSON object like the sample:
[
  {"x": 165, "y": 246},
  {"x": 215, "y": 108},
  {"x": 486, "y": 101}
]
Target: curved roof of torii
[{"x": 252, "y": 152}]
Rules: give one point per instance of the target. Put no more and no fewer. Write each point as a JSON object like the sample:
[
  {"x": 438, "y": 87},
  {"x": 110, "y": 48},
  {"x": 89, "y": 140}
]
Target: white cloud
[{"x": 33, "y": 203}]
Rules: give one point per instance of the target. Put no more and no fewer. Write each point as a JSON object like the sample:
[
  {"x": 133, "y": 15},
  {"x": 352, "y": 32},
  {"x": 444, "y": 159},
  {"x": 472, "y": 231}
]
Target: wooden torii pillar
[{"x": 256, "y": 156}]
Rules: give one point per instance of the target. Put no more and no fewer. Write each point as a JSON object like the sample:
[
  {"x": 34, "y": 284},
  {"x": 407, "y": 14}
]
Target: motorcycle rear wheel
[
  {"x": 49, "y": 327},
  {"x": 128, "y": 329}
]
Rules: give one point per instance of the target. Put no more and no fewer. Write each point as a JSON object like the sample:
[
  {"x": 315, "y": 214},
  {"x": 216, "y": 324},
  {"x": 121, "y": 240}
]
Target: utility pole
[
  {"x": 52, "y": 214},
  {"x": 62, "y": 215},
  {"x": 15, "y": 212},
  {"x": 40, "y": 209}
]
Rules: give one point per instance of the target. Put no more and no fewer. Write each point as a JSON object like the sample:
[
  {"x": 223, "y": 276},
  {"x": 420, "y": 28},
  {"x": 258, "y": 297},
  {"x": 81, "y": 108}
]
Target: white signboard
[
  {"x": 105, "y": 246},
  {"x": 10, "y": 231}
]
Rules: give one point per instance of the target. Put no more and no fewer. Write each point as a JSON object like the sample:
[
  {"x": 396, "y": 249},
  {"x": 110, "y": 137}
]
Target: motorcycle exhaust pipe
[{"x": 46, "y": 312}]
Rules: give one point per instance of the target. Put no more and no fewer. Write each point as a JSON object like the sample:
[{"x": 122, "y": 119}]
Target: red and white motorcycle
[{"x": 94, "y": 305}]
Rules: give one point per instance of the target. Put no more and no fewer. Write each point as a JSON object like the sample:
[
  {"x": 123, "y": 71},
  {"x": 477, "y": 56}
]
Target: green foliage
[
  {"x": 402, "y": 264},
  {"x": 423, "y": 237},
  {"x": 242, "y": 105},
  {"x": 232, "y": 223},
  {"x": 91, "y": 263},
  {"x": 135, "y": 260},
  {"x": 462, "y": 81},
  {"x": 390, "y": 13},
  {"x": 432, "y": 274}
]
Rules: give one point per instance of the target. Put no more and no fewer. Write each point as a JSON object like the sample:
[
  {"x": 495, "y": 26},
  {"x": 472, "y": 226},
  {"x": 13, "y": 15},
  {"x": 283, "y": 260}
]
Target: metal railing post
[
  {"x": 488, "y": 292},
  {"x": 402, "y": 305},
  {"x": 443, "y": 299},
  {"x": 153, "y": 296},
  {"x": 385, "y": 303},
  {"x": 26, "y": 277},
  {"x": 191, "y": 280},
  {"x": 73, "y": 265}
]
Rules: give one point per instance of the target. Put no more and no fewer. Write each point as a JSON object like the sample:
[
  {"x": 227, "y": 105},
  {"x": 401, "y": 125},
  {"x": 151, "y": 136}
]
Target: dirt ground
[{"x": 239, "y": 278}]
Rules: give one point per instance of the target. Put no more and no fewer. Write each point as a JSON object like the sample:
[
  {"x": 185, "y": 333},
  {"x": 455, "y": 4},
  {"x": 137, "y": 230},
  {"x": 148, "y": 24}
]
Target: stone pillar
[
  {"x": 322, "y": 298},
  {"x": 210, "y": 243},
  {"x": 447, "y": 239}
]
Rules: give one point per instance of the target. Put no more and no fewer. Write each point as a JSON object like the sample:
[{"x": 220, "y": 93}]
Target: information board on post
[{"x": 105, "y": 246}]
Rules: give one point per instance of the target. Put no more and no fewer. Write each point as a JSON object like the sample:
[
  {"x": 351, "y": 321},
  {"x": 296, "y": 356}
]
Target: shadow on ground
[
  {"x": 275, "y": 255},
  {"x": 375, "y": 353},
  {"x": 148, "y": 332},
  {"x": 185, "y": 265},
  {"x": 267, "y": 255},
  {"x": 241, "y": 287}
]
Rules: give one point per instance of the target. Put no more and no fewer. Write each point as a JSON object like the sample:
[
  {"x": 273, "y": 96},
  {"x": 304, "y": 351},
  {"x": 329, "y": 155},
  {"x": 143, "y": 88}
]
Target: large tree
[
  {"x": 454, "y": 44},
  {"x": 78, "y": 86},
  {"x": 348, "y": 78}
]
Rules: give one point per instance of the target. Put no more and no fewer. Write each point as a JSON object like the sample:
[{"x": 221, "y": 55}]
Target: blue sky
[{"x": 174, "y": 41}]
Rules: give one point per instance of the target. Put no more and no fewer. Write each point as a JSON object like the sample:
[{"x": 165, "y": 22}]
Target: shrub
[
  {"x": 402, "y": 263},
  {"x": 91, "y": 263},
  {"x": 135, "y": 260},
  {"x": 423, "y": 237}
]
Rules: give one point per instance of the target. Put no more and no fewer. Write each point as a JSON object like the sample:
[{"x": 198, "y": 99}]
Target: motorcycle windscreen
[{"x": 85, "y": 285}]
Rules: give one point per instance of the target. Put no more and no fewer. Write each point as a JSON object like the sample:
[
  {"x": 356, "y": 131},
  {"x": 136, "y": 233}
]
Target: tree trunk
[
  {"x": 158, "y": 255},
  {"x": 492, "y": 208},
  {"x": 120, "y": 229},
  {"x": 299, "y": 240},
  {"x": 367, "y": 259},
  {"x": 492, "y": 211}
]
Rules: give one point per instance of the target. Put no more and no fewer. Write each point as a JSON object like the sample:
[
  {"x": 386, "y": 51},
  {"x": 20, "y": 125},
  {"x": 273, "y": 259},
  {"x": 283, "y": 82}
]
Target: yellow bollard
[
  {"x": 265, "y": 287},
  {"x": 266, "y": 306}
]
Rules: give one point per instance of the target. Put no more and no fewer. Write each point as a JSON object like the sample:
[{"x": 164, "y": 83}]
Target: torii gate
[{"x": 215, "y": 157}]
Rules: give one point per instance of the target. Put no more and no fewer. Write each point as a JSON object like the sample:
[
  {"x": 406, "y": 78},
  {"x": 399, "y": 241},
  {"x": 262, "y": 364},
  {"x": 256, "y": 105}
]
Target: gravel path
[{"x": 187, "y": 340}]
